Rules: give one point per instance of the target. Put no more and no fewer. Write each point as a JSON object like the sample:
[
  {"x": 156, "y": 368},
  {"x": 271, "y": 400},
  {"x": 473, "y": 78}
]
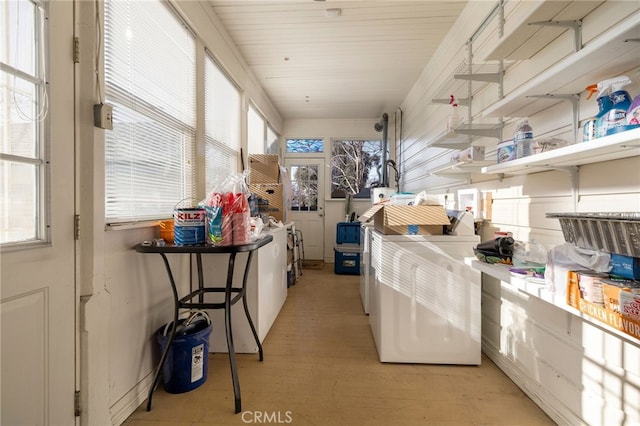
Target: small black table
[{"x": 188, "y": 302}]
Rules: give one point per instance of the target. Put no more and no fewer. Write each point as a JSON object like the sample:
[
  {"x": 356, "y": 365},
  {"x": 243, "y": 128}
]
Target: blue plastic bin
[
  {"x": 348, "y": 233},
  {"x": 347, "y": 259},
  {"x": 186, "y": 365}
]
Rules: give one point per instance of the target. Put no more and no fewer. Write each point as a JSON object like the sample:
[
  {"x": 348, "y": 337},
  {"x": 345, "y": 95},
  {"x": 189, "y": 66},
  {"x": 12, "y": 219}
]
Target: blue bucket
[{"x": 186, "y": 365}]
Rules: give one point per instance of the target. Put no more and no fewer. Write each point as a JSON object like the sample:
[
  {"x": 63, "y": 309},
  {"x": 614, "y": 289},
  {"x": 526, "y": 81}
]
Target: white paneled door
[
  {"x": 37, "y": 289},
  {"x": 307, "y": 203}
]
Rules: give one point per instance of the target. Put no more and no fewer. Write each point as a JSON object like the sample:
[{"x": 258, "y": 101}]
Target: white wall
[{"x": 576, "y": 371}]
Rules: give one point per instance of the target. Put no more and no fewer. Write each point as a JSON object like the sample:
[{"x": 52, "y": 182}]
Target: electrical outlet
[{"x": 102, "y": 116}]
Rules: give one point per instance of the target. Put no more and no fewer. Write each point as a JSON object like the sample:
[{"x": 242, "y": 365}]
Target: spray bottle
[
  {"x": 454, "y": 120},
  {"x": 615, "y": 120},
  {"x": 604, "y": 105},
  {"x": 589, "y": 129}
]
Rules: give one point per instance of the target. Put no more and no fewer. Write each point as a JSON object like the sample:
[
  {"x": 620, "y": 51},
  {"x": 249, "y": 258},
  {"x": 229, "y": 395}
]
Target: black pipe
[{"x": 383, "y": 125}]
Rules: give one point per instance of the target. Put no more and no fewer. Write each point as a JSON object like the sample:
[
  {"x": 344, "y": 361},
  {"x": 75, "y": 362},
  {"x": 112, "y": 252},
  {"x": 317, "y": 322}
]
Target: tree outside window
[{"x": 355, "y": 167}]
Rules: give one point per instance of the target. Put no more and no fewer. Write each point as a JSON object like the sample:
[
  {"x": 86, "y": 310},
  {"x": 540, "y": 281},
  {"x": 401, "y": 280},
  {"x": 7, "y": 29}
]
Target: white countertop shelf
[
  {"x": 620, "y": 145},
  {"x": 522, "y": 40},
  {"x": 604, "y": 57},
  {"x": 536, "y": 287}
]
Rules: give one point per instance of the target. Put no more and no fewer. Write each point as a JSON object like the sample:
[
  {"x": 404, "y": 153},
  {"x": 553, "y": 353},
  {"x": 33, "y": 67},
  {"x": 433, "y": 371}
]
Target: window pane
[
  {"x": 305, "y": 145},
  {"x": 222, "y": 125},
  {"x": 272, "y": 141},
  {"x": 304, "y": 188},
  {"x": 222, "y": 107},
  {"x": 355, "y": 167},
  {"x": 18, "y": 50},
  {"x": 17, "y": 124},
  {"x": 255, "y": 132},
  {"x": 150, "y": 81},
  {"x": 220, "y": 162},
  {"x": 18, "y": 194},
  {"x": 148, "y": 167}
]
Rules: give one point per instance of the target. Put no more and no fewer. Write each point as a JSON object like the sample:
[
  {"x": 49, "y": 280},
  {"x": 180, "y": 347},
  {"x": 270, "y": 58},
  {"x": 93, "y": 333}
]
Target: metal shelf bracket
[
  {"x": 575, "y": 105},
  {"x": 576, "y": 26}
]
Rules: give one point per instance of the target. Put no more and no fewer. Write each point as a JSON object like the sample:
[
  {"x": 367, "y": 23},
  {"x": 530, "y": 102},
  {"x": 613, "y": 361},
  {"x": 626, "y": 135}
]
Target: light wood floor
[{"x": 321, "y": 368}]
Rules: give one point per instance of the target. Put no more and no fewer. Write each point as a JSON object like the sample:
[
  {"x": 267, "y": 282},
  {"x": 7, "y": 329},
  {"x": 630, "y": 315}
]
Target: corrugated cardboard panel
[
  {"x": 408, "y": 220},
  {"x": 415, "y": 215},
  {"x": 263, "y": 168}
]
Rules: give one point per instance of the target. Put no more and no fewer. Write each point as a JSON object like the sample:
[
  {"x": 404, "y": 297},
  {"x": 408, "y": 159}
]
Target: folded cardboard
[
  {"x": 263, "y": 168},
  {"x": 407, "y": 220},
  {"x": 272, "y": 192}
]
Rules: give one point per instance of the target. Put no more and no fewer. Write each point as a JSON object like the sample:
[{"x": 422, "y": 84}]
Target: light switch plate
[{"x": 102, "y": 116}]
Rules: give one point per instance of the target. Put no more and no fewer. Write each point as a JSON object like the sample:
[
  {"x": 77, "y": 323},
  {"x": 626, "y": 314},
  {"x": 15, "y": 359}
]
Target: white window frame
[{"x": 40, "y": 213}]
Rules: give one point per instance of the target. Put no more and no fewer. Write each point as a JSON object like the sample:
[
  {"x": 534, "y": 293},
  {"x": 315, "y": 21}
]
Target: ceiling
[{"x": 358, "y": 64}]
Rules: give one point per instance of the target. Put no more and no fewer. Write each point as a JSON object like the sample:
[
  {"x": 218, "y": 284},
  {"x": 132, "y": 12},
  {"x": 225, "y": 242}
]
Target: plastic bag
[
  {"x": 424, "y": 199},
  {"x": 589, "y": 259},
  {"x": 529, "y": 254},
  {"x": 227, "y": 212},
  {"x": 567, "y": 257}
]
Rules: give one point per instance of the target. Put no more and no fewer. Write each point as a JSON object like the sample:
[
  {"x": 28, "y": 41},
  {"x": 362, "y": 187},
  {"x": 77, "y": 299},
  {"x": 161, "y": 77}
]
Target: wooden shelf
[
  {"x": 609, "y": 55},
  {"x": 620, "y": 145},
  {"x": 538, "y": 288},
  {"x": 522, "y": 40}
]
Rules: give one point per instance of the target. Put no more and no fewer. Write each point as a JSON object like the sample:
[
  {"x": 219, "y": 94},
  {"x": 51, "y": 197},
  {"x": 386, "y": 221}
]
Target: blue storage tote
[
  {"x": 186, "y": 365},
  {"x": 348, "y": 233},
  {"x": 347, "y": 259}
]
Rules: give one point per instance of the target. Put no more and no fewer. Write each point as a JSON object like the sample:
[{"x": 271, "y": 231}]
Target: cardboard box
[
  {"x": 625, "y": 266},
  {"x": 263, "y": 168},
  {"x": 407, "y": 220},
  {"x": 273, "y": 192},
  {"x": 611, "y": 289},
  {"x": 623, "y": 323}
]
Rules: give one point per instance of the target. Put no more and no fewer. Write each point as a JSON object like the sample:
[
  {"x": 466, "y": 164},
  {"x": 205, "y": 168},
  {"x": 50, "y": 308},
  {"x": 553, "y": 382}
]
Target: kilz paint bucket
[{"x": 188, "y": 226}]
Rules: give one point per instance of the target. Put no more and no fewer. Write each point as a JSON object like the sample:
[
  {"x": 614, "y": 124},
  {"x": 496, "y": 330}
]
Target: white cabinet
[{"x": 266, "y": 293}]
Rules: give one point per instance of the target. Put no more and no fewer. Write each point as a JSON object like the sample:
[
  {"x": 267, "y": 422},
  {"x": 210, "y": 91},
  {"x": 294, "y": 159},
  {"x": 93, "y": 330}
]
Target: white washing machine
[
  {"x": 366, "y": 230},
  {"x": 424, "y": 304}
]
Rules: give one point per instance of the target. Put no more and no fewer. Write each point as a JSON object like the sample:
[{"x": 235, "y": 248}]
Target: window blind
[
  {"x": 150, "y": 82},
  {"x": 222, "y": 124}
]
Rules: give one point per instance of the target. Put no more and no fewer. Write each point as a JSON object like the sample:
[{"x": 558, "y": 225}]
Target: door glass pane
[
  {"x": 304, "y": 188},
  {"x": 18, "y": 193},
  {"x": 23, "y": 115}
]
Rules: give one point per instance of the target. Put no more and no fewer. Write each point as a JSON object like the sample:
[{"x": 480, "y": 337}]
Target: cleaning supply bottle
[
  {"x": 523, "y": 139},
  {"x": 633, "y": 113},
  {"x": 604, "y": 105},
  {"x": 589, "y": 128},
  {"x": 615, "y": 120}
]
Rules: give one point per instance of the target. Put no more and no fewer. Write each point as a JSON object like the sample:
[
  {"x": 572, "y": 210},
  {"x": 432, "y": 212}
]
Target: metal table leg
[{"x": 163, "y": 358}]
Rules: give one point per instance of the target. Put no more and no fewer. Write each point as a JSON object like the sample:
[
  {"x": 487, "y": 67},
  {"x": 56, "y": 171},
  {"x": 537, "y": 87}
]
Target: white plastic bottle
[{"x": 523, "y": 139}]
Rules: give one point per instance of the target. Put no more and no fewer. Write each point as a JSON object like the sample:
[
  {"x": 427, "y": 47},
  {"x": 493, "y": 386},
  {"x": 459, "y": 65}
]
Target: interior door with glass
[
  {"x": 37, "y": 288},
  {"x": 307, "y": 203}
]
